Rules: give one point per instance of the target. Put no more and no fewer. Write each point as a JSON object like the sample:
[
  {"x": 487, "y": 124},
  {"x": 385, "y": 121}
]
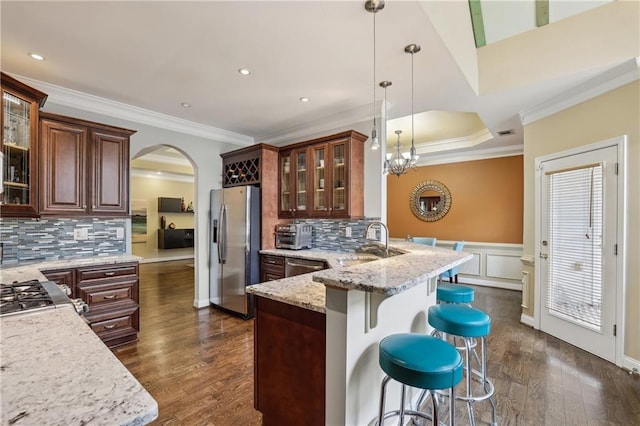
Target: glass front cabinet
[
  {"x": 323, "y": 178},
  {"x": 19, "y": 159},
  {"x": 293, "y": 183}
]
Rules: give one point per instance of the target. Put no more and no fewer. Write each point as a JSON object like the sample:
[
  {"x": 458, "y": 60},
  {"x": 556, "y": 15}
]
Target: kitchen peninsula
[{"x": 317, "y": 334}]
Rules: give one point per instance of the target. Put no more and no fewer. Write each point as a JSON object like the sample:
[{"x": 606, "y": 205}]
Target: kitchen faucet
[{"x": 386, "y": 241}]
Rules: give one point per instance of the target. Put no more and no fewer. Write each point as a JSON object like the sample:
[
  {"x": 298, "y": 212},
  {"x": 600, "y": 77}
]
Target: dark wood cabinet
[
  {"x": 246, "y": 166},
  {"x": 19, "y": 146},
  {"x": 290, "y": 365},
  {"x": 112, "y": 295},
  {"x": 323, "y": 177},
  {"x": 63, "y": 276},
  {"x": 271, "y": 267},
  {"x": 84, "y": 167}
]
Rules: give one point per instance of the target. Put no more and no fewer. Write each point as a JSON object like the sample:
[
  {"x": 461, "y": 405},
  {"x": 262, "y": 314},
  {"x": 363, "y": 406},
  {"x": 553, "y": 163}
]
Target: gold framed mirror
[{"x": 430, "y": 200}]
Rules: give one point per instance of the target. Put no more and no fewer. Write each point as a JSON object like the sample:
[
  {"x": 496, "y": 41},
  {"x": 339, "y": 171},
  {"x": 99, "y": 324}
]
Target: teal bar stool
[
  {"x": 469, "y": 324},
  {"x": 454, "y": 293},
  {"x": 452, "y": 273},
  {"x": 423, "y": 362},
  {"x": 427, "y": 241}
]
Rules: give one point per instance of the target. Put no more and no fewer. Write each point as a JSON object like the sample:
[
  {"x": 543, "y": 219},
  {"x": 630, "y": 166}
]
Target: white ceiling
[{"x": 155, "y": 55}]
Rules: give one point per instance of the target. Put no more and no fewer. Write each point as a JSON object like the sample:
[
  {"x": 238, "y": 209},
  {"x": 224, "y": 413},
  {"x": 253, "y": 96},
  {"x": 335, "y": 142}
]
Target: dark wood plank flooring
[{"x": 198, "y": 364}]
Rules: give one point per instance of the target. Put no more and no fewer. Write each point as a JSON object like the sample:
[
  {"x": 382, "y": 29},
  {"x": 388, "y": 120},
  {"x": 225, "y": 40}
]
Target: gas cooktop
[{"x": 28, "y": 296}]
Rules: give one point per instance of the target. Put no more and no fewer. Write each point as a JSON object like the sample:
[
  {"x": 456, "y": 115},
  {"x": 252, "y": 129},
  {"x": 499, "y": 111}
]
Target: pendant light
[
  {"x": 412, "y": 49},
  {"x": 396, "y": 163},
  {"x": 373, "y": 6}
]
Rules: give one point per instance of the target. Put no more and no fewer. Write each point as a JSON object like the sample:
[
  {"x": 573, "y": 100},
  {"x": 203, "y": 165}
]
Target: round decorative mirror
[{"x": 430, "y": 200}]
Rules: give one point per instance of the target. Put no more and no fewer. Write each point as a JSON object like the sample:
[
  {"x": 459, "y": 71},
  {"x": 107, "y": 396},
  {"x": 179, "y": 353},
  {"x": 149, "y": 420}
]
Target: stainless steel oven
[{"x": 294, "y": 236}]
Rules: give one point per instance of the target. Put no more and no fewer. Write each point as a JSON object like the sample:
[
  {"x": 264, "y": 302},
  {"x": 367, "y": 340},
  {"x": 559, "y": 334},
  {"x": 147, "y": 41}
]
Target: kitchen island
[
  {"x": 326, "y": 348},
  {"x": 55, "y": 370}
]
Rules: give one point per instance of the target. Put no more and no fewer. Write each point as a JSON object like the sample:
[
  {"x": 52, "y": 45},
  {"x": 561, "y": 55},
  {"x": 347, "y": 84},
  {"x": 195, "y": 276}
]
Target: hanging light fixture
[
  {"x": 373, "y": 6},
  {"x": 396, "y": 163}
]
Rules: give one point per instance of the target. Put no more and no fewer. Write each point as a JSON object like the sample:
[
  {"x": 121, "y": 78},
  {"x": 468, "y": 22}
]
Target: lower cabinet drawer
[
  {"x": 109, "y": 271},
  {"x": 108, "y": 293},
  {"x": 116, "y": 326}
]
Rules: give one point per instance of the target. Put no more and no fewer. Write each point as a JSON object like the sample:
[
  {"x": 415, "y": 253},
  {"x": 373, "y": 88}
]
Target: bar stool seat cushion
[
  {"x": 460, "y": 320},
  {"x": 420, "y": 361},
  {"x": 454, "y": 293}
]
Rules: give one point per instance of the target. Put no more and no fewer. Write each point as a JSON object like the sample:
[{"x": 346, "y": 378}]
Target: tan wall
[
  {"x": 613, "y": 114},
  {"x": 148, "y": 190},
  {"x": 486, "y": 201}
]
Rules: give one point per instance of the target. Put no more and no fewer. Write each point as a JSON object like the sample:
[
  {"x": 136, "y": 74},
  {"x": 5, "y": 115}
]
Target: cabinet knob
[{"x": 84, "y": 207}]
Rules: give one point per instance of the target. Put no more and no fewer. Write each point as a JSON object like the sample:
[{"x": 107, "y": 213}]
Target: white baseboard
[
  {"x": 633, "y": 365},
  {"x": 527, "y": 320},
  {"x": 465, "y": 279},
  {"x": 201, "y": 303}
]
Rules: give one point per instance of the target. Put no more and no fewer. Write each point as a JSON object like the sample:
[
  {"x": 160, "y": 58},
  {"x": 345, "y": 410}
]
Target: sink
[
  {"x": 352, "y": 261},
  {"x": 378, "y": 250}
]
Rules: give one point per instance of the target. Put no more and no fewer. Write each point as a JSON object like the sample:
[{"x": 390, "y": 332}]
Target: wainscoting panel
[
  {"x": 493, "y": 264},
  {"x": 504, "y": 266}
]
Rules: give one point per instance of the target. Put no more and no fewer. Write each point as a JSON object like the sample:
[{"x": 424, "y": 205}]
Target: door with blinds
[{"x": 577, "y": 250}]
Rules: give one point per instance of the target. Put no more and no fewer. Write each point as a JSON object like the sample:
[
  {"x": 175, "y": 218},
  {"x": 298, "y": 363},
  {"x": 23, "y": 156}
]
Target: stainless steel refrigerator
[{"x": 235, "y": 243}]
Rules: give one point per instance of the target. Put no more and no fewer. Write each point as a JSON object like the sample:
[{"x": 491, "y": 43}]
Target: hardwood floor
[{"x": 198, "y": 364}]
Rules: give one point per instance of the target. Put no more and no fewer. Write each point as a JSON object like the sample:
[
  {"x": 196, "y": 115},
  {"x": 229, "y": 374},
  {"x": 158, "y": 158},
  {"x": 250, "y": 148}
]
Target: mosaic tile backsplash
[
  {"x": 329, "y": 234},
  {"x": 35, "y": 240}
]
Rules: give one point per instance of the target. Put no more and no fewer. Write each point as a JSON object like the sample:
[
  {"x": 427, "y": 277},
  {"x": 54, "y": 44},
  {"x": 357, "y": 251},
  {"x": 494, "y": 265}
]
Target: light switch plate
[
  {"x": 80, "y": 234},
  {"x": 347, "y": 231},
  {"x": 120, "y": 233},
  {"x": 371, "y": 234}
]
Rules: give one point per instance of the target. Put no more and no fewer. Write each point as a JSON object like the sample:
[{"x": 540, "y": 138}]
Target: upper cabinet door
[
  {"x": 110, "y": 173},
  {"x": 285, "y": 208},
  {"x": 301, "y": 165},
  {"x": 320, "y": 181},
  {"x": 84, "y": 168},
  {"x": 340, "y": 178},
  {"x": 63, "y": 167},
  {"x": 19, "y": 142}
]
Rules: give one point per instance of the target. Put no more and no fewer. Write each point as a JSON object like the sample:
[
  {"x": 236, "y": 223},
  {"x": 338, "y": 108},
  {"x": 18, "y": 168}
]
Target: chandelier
[{"x": 400, "y": 163}]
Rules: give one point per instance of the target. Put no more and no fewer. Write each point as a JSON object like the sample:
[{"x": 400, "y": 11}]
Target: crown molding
[
  {"x": 150, "y": 174},
  {"x": 477, "y": 138},
  {"x": 480, "y": 154},
  {"x": 617, "y": 76},
  {"x": 84, "y": 101},
  {"x": 334, "y": 121}
]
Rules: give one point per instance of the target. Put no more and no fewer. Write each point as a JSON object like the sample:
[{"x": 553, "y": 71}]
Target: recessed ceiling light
[
  {"x": 158, "y": 172},
  {"x": 36, "y": 56},
  {"x": 304, "y": 99},
  {"x": 186, "y": 104},
  {"x": 244, "y": 71}
]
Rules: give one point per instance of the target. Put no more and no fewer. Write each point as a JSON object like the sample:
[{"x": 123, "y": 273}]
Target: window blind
[{"x": 574, "y": 287}]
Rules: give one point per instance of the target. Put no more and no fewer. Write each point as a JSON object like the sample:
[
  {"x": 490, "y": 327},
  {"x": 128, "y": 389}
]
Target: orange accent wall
[{"x": 486, "y": 206}]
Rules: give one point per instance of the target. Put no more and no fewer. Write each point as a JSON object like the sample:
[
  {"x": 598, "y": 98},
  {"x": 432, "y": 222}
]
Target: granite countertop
[
  {"x": 391, "y": 275},
  {"x": 56, "y": 370},
  {"x": 31, "y": 271}
]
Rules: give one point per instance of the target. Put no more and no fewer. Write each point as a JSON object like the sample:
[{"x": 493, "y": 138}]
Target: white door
[{"x": 577, "y": 250}]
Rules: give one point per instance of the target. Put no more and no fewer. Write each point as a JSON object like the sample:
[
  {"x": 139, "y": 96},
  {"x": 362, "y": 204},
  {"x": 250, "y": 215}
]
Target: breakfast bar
[{"x": 333, "y": 332}]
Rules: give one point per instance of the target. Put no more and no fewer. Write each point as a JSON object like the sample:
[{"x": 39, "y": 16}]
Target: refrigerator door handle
[{"x": 222, "y": 235}]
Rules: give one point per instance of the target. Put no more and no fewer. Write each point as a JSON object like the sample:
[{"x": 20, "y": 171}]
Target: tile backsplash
[
  {"x": 330, "y": 234},
  {"x": 34, "y": 240}
]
